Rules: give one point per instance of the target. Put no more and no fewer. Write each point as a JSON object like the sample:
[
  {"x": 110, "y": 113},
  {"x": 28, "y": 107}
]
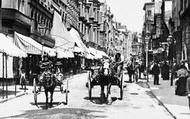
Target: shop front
[
  {"x": 8, "y": 51},
  {"x": 34, "y": 51}
]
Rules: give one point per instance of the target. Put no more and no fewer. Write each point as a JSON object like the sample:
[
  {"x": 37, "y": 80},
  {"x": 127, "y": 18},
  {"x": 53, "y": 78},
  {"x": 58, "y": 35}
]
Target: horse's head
[
  {"x": 106, "y": 67},
  {"x": 48, "y": 79}
]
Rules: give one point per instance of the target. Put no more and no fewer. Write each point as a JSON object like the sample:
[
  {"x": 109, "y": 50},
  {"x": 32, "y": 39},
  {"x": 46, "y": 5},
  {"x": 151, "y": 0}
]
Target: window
[
  {"x": 149, "y": 13},
  {"x": 185, "y": 3},
  {"x": 181, "y": 4}
]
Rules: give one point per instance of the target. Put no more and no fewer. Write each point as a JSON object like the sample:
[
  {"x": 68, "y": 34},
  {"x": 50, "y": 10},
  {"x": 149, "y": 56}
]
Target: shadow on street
[
  {"x": 63, "y": 113},
  {"x": 98, "y": 100}
]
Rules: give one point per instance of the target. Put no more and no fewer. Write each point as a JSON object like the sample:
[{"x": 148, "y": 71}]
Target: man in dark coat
[
  {"x": 130, "y": 72},
  {"x": 156, "y": 72},
  {"x": 165, "y": 71}
]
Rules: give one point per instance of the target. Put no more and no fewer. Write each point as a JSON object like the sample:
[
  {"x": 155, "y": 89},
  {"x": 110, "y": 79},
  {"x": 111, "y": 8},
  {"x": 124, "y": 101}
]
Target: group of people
[
  {"x": 180, "y": 74},
  {"x": 135, "y": 70},
  {"x": 157, "y": 68}
]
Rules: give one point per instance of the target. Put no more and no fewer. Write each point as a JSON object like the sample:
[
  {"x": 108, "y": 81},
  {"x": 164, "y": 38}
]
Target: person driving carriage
[
  {"x": 118, "y": 63},
  {"x": 46, "y": 72},
  {"x": 45, "y": 63},
  {"x": 45, "y": 66}
]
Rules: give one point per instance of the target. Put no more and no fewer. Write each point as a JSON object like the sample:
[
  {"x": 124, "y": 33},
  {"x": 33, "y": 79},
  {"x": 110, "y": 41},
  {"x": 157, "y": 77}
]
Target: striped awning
[
  {"x": 6, "y": 46},
  {"x": 27, "y": 44},
  {"x": 30, "y": 46},
  {"x": 63, "y": 39},
  {"x": 77, "y": 39}
]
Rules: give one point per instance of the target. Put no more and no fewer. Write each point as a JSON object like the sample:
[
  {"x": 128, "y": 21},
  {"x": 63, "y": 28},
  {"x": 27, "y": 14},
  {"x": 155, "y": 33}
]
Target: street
[{"x": 136, "y": 104}]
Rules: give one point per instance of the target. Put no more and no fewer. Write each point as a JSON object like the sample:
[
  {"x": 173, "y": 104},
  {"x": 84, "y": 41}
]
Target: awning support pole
[{"x": 3, "y": 92}]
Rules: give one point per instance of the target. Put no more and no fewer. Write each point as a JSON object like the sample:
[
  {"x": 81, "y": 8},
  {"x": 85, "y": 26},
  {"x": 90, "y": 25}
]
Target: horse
[
  {"x": 105, "y": 79},
  {"x": 49, "y": 81},
  {"x": 110, "y": 74}
]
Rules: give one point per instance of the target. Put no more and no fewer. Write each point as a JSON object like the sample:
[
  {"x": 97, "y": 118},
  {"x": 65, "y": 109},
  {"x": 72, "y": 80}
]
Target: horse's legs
[
  {"x": 51, "y": 97},
  {"x": 109, "y": 93},
  {"x": 46, "y": 93},
  {"x": 102, "y": 94}
]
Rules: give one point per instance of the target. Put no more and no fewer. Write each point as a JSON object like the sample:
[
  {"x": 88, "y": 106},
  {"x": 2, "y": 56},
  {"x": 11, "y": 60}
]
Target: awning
[
  {"x": 74, "y": 33},
  {"x": 92, "y": 51},
  {"x": 62, "y": 53},
  {"x": 98, "y": 54},
  {"x": 30, "y": 46},
  {"x": 90, "y": 56},
  {"x": 77, "y": 49},
  {"x": 49, "y": 51},
  {"x": 62, "y": 37},
  {"x": 27, "y": 44},
  {"x": 102, "y": 54},
  {"x": 9, "y": 48}
]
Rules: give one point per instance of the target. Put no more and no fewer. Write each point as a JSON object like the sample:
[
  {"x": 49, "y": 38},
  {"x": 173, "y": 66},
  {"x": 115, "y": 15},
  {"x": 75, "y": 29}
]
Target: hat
[
  {"x": 58, "y": 63},
  {"x": 48, "y": 64}
]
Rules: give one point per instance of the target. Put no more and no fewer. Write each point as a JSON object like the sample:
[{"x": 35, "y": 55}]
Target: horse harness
[{"x": 48, "y": 79}]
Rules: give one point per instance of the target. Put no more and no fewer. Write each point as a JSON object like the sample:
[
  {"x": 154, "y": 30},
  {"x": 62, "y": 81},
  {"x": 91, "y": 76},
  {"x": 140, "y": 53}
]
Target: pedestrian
[
  {"x": 173, "y": 72},
  {"x": 141, "y": 69},
  {"x": 181, "y": 82},
  {"x": 156, "y": 72},
  {"x": 165, "y": 71},
  {"x": 136, "y": 71},
  {"x": 22, "y": 78},
  {"x": 130, "y": 72}
]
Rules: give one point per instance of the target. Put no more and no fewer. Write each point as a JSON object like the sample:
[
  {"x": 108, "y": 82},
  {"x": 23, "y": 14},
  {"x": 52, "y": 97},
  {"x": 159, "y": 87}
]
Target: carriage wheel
[
  {"x": 121, "y": 86},
  {"x": 35, "y": 91},
  {"x": 66, "y": 93},
  {"x": 89, "y": 85}
]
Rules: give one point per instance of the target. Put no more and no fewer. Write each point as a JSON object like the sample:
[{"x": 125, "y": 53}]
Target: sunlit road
[{"x": 137, "y": 104}]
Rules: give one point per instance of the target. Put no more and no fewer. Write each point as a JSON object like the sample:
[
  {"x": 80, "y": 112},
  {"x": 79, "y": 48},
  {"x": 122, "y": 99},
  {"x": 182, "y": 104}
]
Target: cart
[
  {"x": 64, "y": 82},
  {"x": 94, "y": 80}
]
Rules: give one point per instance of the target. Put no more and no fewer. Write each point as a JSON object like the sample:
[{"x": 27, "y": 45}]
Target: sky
[{"x": 128, "y": 12}]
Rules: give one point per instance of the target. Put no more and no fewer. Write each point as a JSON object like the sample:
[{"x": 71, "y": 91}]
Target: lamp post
[
  {"x": 170, "y": 55},
  {"x": 147, "y": 38}
]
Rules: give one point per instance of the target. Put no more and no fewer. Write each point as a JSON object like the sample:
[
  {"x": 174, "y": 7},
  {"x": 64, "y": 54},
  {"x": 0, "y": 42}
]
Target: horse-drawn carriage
[
  {"x": 108, "y": 74},
  {"x": 50, "y": 81}
]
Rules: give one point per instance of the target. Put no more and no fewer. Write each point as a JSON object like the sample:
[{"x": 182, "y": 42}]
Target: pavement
[
  {"x": 13, "y": 91},
  {"x": 176, "y": 105}
]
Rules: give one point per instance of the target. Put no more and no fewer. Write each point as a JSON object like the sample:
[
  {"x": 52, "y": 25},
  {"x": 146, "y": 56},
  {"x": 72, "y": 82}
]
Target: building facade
[
  {"x": 185, "y": 28},
  {"x": 41, "y": 15},
  {"x": 148, "y": 29},
  {"x": 157, "y": 27},
  {"x": 72, "y": 18},
  {"x": 15, "y": 14}
]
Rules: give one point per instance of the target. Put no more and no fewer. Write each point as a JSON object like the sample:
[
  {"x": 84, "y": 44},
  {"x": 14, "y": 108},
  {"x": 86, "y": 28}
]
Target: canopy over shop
[
  {"x": 96, "y": 54},
  {"x": 80, "y": 46},
  {"x": 7, "y": 51},
  {"x": 64, "y": 42},
  {"x": 30, "y": 46}
]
